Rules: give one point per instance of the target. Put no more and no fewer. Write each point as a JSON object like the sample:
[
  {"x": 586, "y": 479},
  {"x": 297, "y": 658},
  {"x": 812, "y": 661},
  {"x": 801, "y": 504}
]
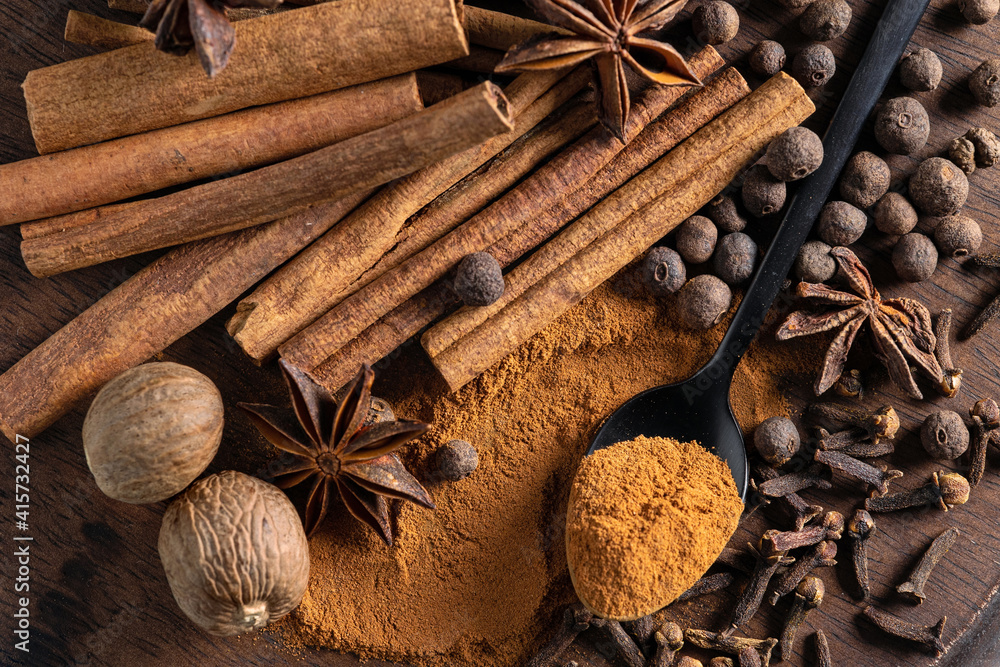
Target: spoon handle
[{"x": 899, "y": 20}]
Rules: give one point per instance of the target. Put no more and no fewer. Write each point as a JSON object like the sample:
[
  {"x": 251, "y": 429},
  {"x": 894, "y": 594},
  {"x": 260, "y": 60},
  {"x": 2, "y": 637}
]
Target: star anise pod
[
  {"x": 333, "y": 449},
  {"x": 900, "y": 328},
  {"x": 606, "y": 31},
  {"x": 181, "y": 25}
]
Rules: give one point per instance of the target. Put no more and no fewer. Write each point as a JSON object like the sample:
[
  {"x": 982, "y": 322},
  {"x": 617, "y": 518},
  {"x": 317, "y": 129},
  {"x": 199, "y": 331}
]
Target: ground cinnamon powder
[
  {"x": 480, "y": 580},
  {"x": 645, "y": 520}
]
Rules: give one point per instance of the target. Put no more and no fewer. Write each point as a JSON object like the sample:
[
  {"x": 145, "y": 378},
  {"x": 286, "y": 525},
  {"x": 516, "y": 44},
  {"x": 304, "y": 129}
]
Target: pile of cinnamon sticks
[{"x": 275, "y": 163}]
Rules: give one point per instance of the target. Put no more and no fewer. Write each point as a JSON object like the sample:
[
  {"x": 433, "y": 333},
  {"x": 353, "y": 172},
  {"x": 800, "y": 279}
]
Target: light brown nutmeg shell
[
  {"x": 235, "y": 553},
  {"x": 151, "y": 431}
]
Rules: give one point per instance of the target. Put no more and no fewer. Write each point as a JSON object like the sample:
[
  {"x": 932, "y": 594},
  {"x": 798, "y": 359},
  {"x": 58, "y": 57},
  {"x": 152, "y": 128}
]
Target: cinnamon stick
[
  {"x": 410, "y": 318},
  {"x": 437, "y": 86},
  {"x": 148, "y": 312},
  {"x": 562, "y": 176},
  {"x": 237, "y": 14},
  {"x": 90, "y": 176},
  {"x": 645, "y": 209},
  {"x": 252, "y": 198},
  {"x": 278, "y": 57},
  {"x": 500, "y": 31},
  {"x": 480, "y": 60},
  {"x": 659, "y": 137},
  {"x": 322, "y": 275},
  {"x": 133, "y": 6},
  {"x": 90, "y": 30}
]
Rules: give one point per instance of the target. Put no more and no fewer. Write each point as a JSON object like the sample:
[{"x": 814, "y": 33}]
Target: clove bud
[
  {"x": 808, "y": 595},
  {"x": 914, "y": 586},
  {"x": 944, "y": 490}
]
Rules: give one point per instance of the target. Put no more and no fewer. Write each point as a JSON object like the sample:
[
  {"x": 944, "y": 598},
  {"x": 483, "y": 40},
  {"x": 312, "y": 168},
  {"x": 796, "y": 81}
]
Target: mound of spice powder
[{"x": 646, "y": 519}]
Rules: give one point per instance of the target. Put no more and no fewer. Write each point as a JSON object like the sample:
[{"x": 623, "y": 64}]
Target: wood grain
[{"x": 98, "y": 592}]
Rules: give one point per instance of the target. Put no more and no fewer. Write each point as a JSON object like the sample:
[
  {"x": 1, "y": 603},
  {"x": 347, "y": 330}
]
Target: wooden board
[{"x": 99, "y": 596}]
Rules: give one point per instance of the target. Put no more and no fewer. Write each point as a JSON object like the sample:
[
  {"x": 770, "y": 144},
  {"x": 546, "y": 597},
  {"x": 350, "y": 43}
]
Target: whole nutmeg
[
  {"x": 703, "y": 301},
  {"x": 902, "y": 126},
  {"x": 794, "y": 154},
  {"x": 840, "y": 223},
  {"x": 777, "y": 440},
  {"x": 979, "y": 12},
  {"x": 939, "y": 187},
  {"x": 895, "y": 215},
  {"x": 985, "y": 83},
  {"x": 767, "y": 58},
  {"x": 814, "y": 65},
  {"x": 663, "y": 271},
  {"x": 151, "y": 431},
  {"x": 944, "y": 435},
  {"x": 914, "y": 257},
  {"x": 865, "y": 179},
  {"x": 814, "y": 263},
  {"x": 735, "y": 258},
  {"x": 921, "y": 70},
  {"x": 235, "y": 553},
  {"x": 763, "y": 194},
  {"x": 715, "y": 22},
  {"x": 696, "y": 239},
  {"x": 479, "y": 279},
  {"x": 824, "y": 20},
  {"x": 722, "y": 211},
  {"x": 958, "y": 236},
  {"x": 457, "y": 459}
]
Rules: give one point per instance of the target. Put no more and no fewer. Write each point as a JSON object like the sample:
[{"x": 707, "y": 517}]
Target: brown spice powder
[
  {"x": 645, "y": 520},
  {"x": 480, "y": 580}
]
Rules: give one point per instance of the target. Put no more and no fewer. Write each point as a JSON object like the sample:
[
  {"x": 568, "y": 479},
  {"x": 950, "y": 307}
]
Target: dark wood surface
[{"x": 99, "y": 596}]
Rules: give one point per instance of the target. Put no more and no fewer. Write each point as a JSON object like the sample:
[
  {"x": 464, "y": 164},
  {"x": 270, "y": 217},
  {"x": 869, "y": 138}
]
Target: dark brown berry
[
  {"x": 944, "y": 435},
  {"x": 902, "y": 126},
  {"x": 794, "y": 154},
  {"x": 715, "y": 22},
  {"x": 986, "y": 144},
  {"x": 814, "y": 65},
  {"x": 895, "y": 215},
  {"x": 985, "y": 83},
  {"x": 939, "y": 187},
  {"x": 777, "y": 440},
  {"x": 864, "y": 180},
  {"x": 824, "y": 20},
  {"x": 767, "y": 58},
  {"x": 962, "y": 152},
  {"x": 763, "y": 194},
  {"x": 735, "y": 258},
  {"x": 457, "y": 459},
  {"x": 696, "y": 239},
  {"x": 921, "y": 70},
  {"x": 479, "y": 280},
  {"x": 814, "y": 264},
  {"x": 722, "y": 211},
  {"x": 840, "y": 223},
  {"x": 958, "y": 236},
  {"x": 914, "y": 257},
  {"x": 703, "y": 301},
  {"x": 663, "y": 271},
  {"x": 979, "y": 12}
]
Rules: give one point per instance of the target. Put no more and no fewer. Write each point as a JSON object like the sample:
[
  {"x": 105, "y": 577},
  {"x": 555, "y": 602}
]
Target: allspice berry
[
  {"x": 767, "y": 58},
  {"x": 703, "y": 301},
  {"x": 939, "y": 187},
  {"x": 986, "y": 146},
  {"x": 921, "y": 70},
  {"x": 763, "y": 194},
  {"x": 895, "y": 215},
  {"x": 479, "y": 279},
  {"x": 914, "y": 257},
  {"x": 944, "y": 435},
  {"x": 841, "y": 224},
  {"x": 794, "y": 154},
  {"x": 696, "y": 239},
  {"x": 722, "y": 211},
  {"x": 777, "y": 440},
  {"x": 864, "y": 180},
  {"x": 715, "y": 22},
  {"x": 902, "y": 126},
  {"x": 735, "y": 258},
  {"x": 457, "y": 459},
  {"x": 663, "y": 271},
  {"x": 979, "y": 12},
  {"x": 985, "y": 83},
  {"x": 962, "y": 152},
  {"x": 814, "y": 66},
  {"x": 824, "y": 20},
  {"x": 814, "y": 263},
  {"x": 958, "y": 236}
]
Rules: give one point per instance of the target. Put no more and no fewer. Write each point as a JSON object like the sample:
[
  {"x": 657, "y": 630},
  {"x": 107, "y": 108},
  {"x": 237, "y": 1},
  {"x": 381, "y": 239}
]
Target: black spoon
[{"x": 698, "y": 408}]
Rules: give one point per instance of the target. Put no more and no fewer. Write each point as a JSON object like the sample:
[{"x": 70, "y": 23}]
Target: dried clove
[
  {"x": 944, "y": 490},
  {"x": 808, "y": 595},
  {"x": 799, "y": 511},
  {"x": 985, "y": 421},
  {"x": 859, "y": 529},
  {"x": 714, "y": 641},
  {"x": 721, "y": 661},
  {"x": 576, "y": 619},
  {"x": 822, "y": 555},
  {"x": 914, "y": 586},
  {"x": 869, "y": 450},
  {"x": 749, "y": 658},
  {"x": 687, "y": 661},
  {"x": 880, "y": 424},
  {"x": 794, "y": 482},
  {"x": 737, "y": 559},
  {"x": 627, "y": 649},
  {"x": 849, "y": 384},
  {"x": 669, "y": 639},
  {"x": 830, "y": 529},
  {"x": 641, "y": 629},
  {"x": 951, "y": 381},
  {"x": 859, "y": 470},
  {"x": 987, "y": 410},
  {"x": 927, "y": 637},
  {"x": 990, "y": 312},
  {"x": 769, "y": 558},
  {"x": 822, "y": 650},
  {"x": 708, "y": 584}
]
